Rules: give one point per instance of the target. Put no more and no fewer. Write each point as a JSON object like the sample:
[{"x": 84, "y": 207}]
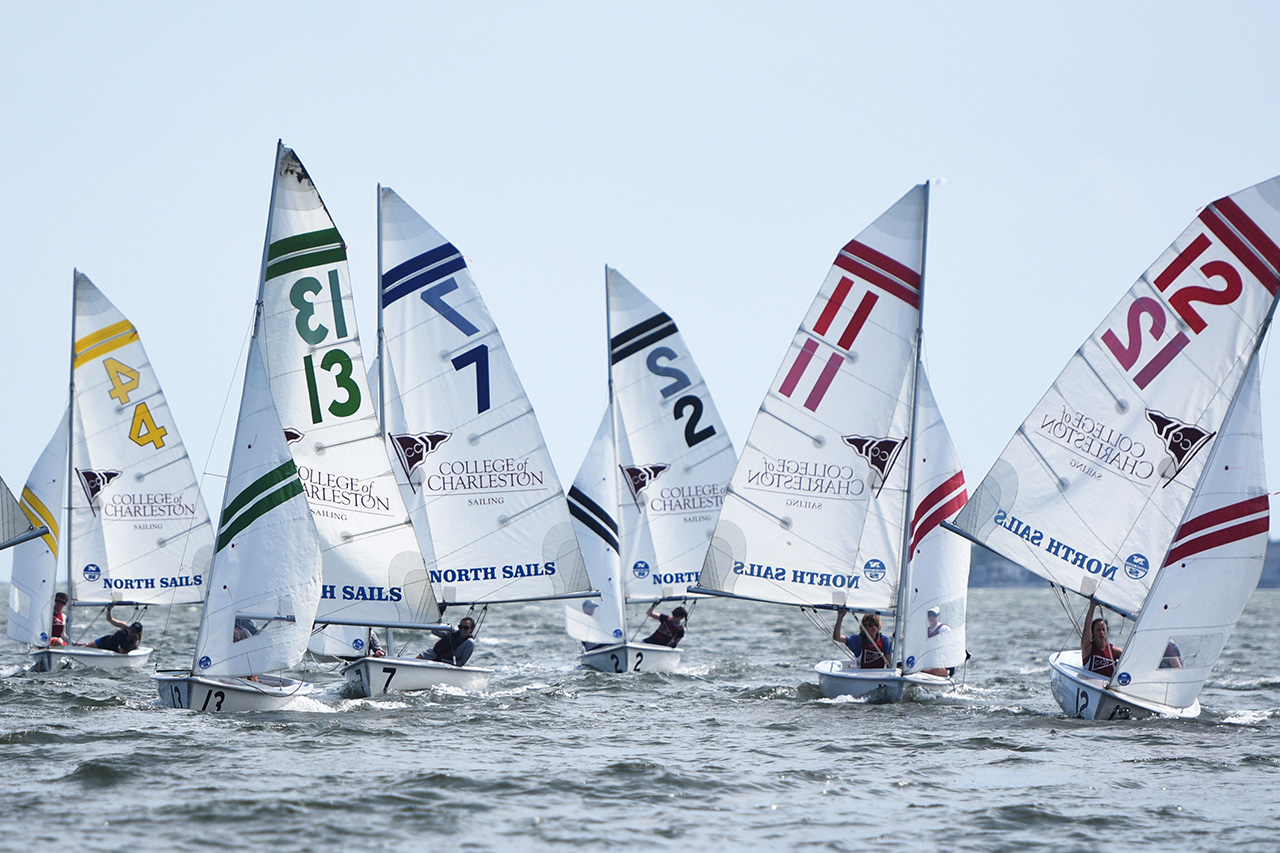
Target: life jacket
[
  {"x": 59, "y": 624},
  {"x": 1102, "y": 661},
  {"x": 874, "y": 654}
]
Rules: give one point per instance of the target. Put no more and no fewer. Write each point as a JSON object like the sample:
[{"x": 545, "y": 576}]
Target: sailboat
[
  {"x": 647, "y": 496},
  {"x": 470, "y": 458},
  {"x": 137, "y": 532},
  {"x": 15, "y": 526},
  {"x": 1137, "y": 481},
  {"x": 265, "y": 581},
  {"x": 849, "y": 470},
  {"x": 374, "y": 571}
]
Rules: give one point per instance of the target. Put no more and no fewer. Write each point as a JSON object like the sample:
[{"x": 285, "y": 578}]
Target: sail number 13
[{"x": 335, "y": 361}]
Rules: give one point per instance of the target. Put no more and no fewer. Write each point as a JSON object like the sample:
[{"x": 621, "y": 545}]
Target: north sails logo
[
  {"x": 880, "y": 454},
  {"x": 1182, "y": 440},
  {"x": 94, "y": 482},
  {"x": 292, "y": 436},
  {"x": 413, "y": 450},
  {"x": 640, "y": 476}
]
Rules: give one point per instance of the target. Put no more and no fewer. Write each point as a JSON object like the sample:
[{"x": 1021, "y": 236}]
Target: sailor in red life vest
[
  {"x": 871, "y": 649},
  {"x": 670, "y": 628},
  {"x": 58, "y": 633},
  {"x": 1096, "y": 653}
]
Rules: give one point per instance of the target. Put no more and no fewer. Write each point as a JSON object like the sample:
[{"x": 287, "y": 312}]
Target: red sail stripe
[
  {"x": 951, "y": 507},
  {"x": 1258, "y": 239},
  {"x": 1222, "y": 515},
  {"x": 884, "y": 262},
  {"x": 952, "y": 483},
  {"x": 824, "y": 381},
  {"x": 797, "y": 369},
  {"x": 879, "y": 279},
  {"x": 859, "y": 317},
  {"x": 833, "y": 305},
  {"x": 1243, "y": 252},
  {"x": 1184, "y": 260},
  {"x": 1217, "y": 538}
]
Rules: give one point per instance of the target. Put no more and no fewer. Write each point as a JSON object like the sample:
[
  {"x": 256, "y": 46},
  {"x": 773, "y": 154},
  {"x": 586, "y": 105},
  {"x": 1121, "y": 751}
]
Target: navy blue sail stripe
[
  {"x": 416, "y": 273},
  {"x": 593, "y": 517},
  {"x": 641, "y": 336}
]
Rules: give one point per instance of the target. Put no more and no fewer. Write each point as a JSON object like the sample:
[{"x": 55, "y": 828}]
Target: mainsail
[
  {"x": 374, "y": 574},
  {"x": 849, "y": 469},
  {"x": 1094, "y": 485},
  {"x": 35, "y": 562},
  {"x": 470, "y": 455},
  {"x": 648, "y": 494},
  {"x": 266, "y": 571},
  {"x": 817, "y": 506},
  {"x": 138, "y": 528}
]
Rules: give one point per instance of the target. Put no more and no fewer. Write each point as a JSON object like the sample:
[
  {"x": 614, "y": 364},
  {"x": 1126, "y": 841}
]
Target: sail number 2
[
  {"x": 124, "y": 381},
  {"x": 690, "y": 403},
  {"x": 314, "y": 332}
]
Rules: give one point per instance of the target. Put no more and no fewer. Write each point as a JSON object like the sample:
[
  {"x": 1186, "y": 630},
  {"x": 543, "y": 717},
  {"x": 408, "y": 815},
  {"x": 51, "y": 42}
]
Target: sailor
[
  {"x": 454, "y": 647},
  {"x": 670, "y": 628},
  {"x": 58, "y": 632},
  {"x": 123, "y": 641},
  {"x": 1096, "y": 653},
  {"x": 871, "y": 649}
]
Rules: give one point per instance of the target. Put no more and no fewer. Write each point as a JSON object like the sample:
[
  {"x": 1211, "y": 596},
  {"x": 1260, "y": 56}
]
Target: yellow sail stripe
[
  {"x": 39, "y": 515},
  {"x": 104, "y": 341}
]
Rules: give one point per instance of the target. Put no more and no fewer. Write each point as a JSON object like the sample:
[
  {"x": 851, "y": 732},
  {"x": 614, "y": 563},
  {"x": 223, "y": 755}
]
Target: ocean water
[{"x": 737, "y": 750}]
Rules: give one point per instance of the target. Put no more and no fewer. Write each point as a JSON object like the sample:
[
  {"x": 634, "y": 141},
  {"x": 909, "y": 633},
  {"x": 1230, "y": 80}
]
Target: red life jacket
[
  {"x": 873, "y": 654},
  {"x": 1102, "y": 661},
  {"x": 59, "y": 624}
]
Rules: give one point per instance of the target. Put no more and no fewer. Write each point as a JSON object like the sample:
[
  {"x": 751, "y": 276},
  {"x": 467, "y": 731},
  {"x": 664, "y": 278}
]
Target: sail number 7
[{"x": 477, "y": 356}]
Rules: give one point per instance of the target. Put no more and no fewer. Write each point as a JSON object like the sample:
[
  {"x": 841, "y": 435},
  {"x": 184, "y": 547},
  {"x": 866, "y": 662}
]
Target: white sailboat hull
[
  {"x": 875, "y": 686},
  {"x": 1084, "y": 695},
  {"x": 378, "y": 676},
  {"x": 632, "y": 657},
  {"x": 181, "y": 689},
  {"x": 67, "y": 657}
]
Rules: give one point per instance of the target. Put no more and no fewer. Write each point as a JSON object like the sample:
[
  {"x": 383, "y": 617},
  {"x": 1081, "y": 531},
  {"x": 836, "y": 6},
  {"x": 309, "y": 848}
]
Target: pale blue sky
[{"x": 718, "y": 154}]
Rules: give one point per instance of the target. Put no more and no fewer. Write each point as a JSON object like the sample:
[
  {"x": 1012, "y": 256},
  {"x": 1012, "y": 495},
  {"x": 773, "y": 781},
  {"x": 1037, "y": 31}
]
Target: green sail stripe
[
  {"x": 310, "y": 259},
  {"x": 257, "y": 487},
  {"x": 303, "y": 242},
  {"x": 286, "y": 492}
]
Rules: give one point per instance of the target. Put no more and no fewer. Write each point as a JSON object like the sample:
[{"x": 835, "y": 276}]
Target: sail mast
[
  {"x": 619, "y": 586},
  {"x": 69, "y": 525},
  {"x": 904, "y": 569},
  {"x": 382, "y": 385}
]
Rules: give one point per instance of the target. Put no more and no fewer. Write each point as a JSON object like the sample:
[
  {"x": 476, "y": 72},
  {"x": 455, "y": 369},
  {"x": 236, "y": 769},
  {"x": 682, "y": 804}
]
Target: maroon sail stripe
[
  {"x": 884, "y": 262},
  {"x": 1258, "y": 239},
  {"x": 1184, "y": 260},
  {"x": 824, "y": 381},
  {"x": 949, "y": 508},
  {"x": 1243, "y": 252},
  {"x": 833, "y": 305},
  {"x": 879, "y": 279},
  {"x": 953, "y": 482},
  {"x": 1222, "y": 515},
  {"x": 1218, "y": 538},
  {"x": 859, "y": 317},
  {"x": 797, "y": 369}
]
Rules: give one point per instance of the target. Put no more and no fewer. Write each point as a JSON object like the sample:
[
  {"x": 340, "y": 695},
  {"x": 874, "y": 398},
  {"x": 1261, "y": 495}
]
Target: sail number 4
[{"x": 124, "y": 381}]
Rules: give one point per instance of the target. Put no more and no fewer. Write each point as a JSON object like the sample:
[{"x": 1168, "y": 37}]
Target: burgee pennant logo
[
  {"x": 94, "y": 482},
  {"x": 413, "y": 450},
  {"x": 640, "y": 476},
  {"x": 1182, "y": 441},
  {"x": 880, "y": 454}
]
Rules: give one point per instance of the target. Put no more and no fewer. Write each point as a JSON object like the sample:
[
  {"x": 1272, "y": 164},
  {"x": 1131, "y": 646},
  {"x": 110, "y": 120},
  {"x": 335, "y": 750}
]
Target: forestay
[
  {"x": 139, "y": 531},
  {"x": 1092, "y": 487},
  {"x": 1211, "y": 568},
  {"x": 35, "y": 562},
  {"x": 374, "y": 572},
  {"x": 266, "y": 572},
  {"x": 815, "y": 511},
  {"x": 474, "y": 467}
]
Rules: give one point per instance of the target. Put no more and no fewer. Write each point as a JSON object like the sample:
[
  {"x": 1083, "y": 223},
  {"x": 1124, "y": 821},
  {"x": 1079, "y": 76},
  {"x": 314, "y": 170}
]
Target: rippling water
[{"x": 737, "y": 750}]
